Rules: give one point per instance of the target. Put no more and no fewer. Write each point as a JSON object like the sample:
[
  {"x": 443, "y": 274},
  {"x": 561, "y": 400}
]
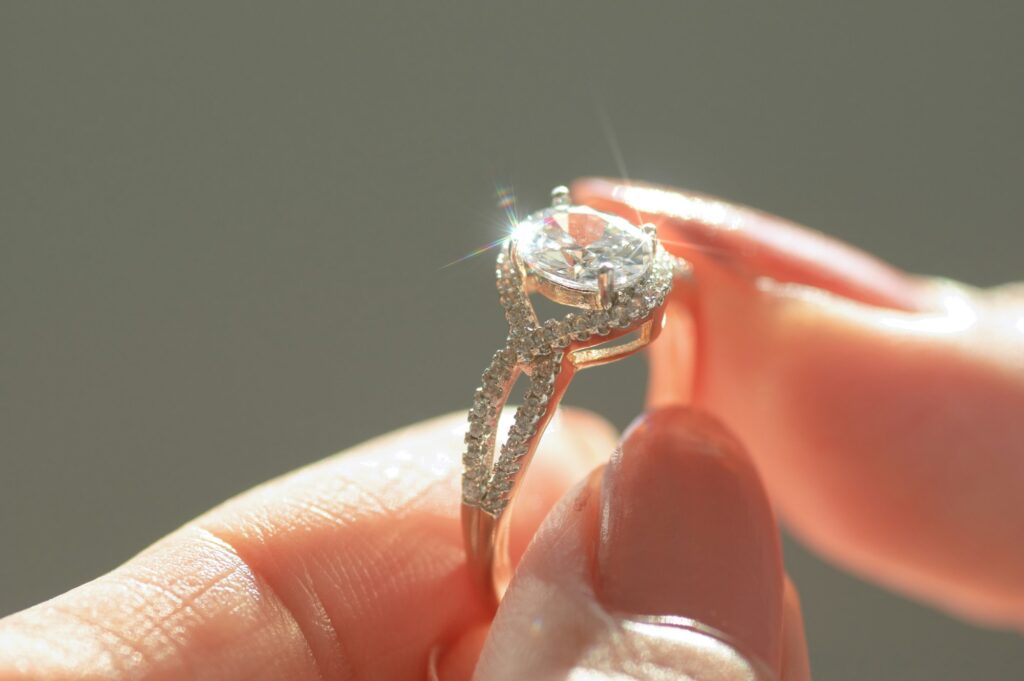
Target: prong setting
[
  {"x": 620, "y": 275},
  {"x": 560, "y": 196},
  {"x": 605, "y": 285},
  {"x": 619, "y": 294},
  {"x": 539, "y": 349},
  {"x": 565, "y": 246}
]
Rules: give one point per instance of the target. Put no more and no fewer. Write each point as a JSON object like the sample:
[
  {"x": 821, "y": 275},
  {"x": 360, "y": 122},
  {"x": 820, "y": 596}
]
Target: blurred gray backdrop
[{"x": 223, "y": 226}]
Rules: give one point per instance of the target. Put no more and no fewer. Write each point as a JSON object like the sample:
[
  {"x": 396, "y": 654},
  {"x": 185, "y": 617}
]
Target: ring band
[{"x": 619, "y": 275}]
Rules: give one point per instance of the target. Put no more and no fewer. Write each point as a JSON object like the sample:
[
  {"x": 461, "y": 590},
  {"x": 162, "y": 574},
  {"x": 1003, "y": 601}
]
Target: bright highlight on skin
[
  {"x": 955, "y": 313},
  {"x": 681, "y": 206}
]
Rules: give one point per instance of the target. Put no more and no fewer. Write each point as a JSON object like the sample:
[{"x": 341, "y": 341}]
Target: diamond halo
[
  {"x": 641, "y": 277},
  {"x": 617, "y": 275}
]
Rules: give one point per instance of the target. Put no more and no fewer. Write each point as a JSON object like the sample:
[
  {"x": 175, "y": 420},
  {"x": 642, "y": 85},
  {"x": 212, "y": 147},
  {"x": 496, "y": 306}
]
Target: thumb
[{"x": 666, "y": 564}]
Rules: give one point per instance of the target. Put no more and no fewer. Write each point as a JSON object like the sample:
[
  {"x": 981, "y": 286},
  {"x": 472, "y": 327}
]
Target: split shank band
[{"x": 616, "y": 275}]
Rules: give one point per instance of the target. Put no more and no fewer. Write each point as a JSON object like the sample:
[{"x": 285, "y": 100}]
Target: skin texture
[
  {"x": 683, "y": 495},
  {"x": 349, "y": 569},
  {"x": 878, "y": 412},
  {"x": 883, "y": 410},
  {"x": 677, "y": 524}
]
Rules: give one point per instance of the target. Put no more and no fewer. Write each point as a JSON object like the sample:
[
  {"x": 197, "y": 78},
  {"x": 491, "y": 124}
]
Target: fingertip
[
  {"x": 795, "y": 663},
  {"x": 687, "y": 530},
  {"x": 625, "y": 548},
  {"x": 711, "y": 231},
  {"x": 458, "y": 662}
]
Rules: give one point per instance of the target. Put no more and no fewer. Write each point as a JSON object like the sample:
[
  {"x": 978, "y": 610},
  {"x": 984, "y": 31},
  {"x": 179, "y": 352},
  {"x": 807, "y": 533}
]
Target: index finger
[
  {"x": 700, "y": 227},
  {"x": 351, "y": 567}
]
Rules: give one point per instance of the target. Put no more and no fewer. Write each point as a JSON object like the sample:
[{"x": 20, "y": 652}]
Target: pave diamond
[{"x": 570, "y": 244}]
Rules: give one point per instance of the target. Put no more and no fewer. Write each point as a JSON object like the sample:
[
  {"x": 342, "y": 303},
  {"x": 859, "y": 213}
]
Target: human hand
[
  {"x": 353, "y": 567},
  {"x": 884, "y": 411}
]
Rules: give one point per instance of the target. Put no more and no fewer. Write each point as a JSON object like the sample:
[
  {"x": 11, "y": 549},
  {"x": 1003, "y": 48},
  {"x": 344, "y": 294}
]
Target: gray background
[{"x": 222, "y": 230}]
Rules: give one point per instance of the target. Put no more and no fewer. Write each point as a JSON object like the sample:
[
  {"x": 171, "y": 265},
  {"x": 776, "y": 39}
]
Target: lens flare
[
  {"x": 482, "y": 249},
  {"x": 506, "y": 198}
]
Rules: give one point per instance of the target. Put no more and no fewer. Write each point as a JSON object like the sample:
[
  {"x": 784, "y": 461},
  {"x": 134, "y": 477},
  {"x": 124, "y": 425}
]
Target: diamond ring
[{"x": 617, "y": 275}]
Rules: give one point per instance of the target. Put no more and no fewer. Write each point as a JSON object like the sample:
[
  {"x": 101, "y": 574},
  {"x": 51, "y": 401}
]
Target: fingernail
[
  {"x": 687, "y": 531},
  {"x": 699, "y": 226}
]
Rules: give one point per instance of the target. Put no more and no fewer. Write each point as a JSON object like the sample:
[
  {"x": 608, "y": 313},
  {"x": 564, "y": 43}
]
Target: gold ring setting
[{"x": 617, "y": 276}]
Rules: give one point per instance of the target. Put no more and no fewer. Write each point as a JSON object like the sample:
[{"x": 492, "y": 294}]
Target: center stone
[{"x": 569, "y": 244}]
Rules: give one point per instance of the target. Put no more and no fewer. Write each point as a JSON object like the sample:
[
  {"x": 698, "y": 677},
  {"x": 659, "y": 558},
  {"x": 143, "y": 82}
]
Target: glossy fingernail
[
  {"x": 686, "y": 530},
  {"x": 704, "y": 227}
]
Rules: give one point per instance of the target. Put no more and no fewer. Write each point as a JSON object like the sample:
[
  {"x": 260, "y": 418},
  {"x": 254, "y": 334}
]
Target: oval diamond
[{"x": 569, "y": 244}]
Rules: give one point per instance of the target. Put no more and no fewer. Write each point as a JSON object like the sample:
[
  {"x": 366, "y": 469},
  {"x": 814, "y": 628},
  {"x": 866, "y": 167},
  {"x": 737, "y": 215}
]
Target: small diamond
[
  {"x": 581, "y": 328},
  {"x": 538, "y": 344},
  {"x": 570, "y": 244},
  {"x": 555, "y": 335},
  {"x": 635, "y": 308}
]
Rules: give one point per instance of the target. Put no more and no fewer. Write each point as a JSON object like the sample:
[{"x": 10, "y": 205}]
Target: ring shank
[
  {"x": 486, "y": 535},
  {"x": 486, "y": 540},
  {"x": 549, "y": 354}
]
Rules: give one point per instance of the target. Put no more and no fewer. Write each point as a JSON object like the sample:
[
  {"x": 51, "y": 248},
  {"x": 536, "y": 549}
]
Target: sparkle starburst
[{"x": 506, "y": 198}]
